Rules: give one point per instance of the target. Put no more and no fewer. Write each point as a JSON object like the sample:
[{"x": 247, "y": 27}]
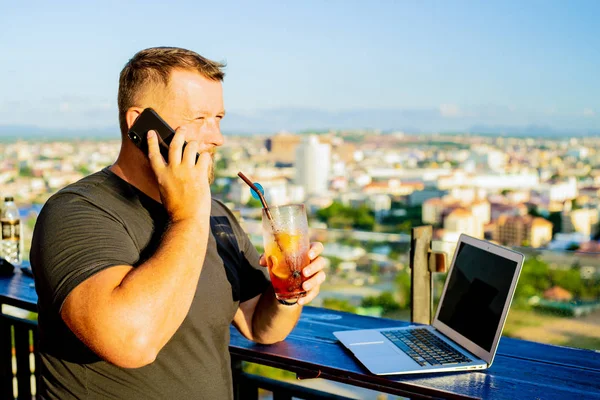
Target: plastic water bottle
[{"x": 11, "y": 231}]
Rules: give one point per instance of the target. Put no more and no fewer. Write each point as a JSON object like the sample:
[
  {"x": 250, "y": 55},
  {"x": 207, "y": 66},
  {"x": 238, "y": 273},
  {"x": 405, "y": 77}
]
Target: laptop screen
[{"x": 476, "y": 294}]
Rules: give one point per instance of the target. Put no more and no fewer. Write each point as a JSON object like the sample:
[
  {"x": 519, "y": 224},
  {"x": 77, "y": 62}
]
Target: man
[{"x": 139, "y": 272}]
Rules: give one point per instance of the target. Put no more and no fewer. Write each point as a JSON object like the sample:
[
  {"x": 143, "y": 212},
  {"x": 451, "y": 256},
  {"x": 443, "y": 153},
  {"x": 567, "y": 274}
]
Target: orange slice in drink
[{"x": 280, "y": 271}]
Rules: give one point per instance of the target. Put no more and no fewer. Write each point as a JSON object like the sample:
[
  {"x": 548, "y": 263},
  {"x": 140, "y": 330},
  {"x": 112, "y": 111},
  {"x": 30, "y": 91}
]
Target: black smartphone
[{"x": 150, "y": 120}]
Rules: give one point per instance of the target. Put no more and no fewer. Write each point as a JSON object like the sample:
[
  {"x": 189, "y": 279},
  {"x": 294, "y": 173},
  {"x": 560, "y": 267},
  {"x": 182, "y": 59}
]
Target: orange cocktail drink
[{"x": 286, "y": 250}]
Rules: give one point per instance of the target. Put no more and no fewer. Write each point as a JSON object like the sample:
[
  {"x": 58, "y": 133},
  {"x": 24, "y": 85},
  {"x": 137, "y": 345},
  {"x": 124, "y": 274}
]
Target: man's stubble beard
[{"x": 211, "y": 167}]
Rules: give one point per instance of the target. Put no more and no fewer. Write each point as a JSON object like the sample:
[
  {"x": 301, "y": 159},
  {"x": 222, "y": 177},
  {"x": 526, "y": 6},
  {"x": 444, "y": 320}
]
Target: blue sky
[{"x": 513, "y": 63}]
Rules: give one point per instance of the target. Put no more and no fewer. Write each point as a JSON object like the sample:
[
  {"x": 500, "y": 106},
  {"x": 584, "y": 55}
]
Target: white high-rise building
[
  {"x": 313, "y": 160},
  {"x": 463, "y": 221}
]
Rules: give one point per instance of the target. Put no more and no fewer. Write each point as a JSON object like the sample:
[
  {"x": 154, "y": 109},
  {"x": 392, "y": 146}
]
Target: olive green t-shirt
[{"x": 102, "y": 221}]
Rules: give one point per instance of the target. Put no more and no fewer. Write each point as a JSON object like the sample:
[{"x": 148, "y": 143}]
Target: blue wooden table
[{"x": 521, "y": 369}]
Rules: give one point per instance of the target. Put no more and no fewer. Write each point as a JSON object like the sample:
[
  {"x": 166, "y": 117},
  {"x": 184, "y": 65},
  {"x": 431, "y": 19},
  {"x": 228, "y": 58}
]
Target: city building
[
  {"x": 566, "y": 241},
  {"x": 380, "y": 204},
  {"x": 467, "y": 195},
  {"x": 313, "y": 160},
  {"x": 498, "y": 210},
  {"x": 590, "y": 246},
  {"x": 522, "y": 230},
  {"x": 482, "y": 210},
  {"x": 239, "y": 193},
  {"x": 489, "y": 182},
  {"x": 486, "y": 158},
  {"x": 583, "y": 220},
  {"x": 282, "y": 146},
  {"x": 432, "y": 210},
  {"x": 418, "y": 197},
  {"x": 345, "y": 152},
  {"x": 558, "y": 191},
  {"x": 556, "y": 293},
  {"x": 392, "y": 187},
  {"x": 461, "y": 220},
  {"x": 277, "y": 191}
]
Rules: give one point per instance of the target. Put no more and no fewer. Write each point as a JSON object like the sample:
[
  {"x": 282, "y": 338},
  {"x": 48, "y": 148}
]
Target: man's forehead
[
  {"x": 194, "y": 94},
  {"x": 184, "y": 81}
]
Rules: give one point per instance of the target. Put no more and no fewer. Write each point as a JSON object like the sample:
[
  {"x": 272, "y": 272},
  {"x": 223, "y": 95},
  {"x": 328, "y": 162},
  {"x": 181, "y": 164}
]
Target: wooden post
[{"x": 420, "y": 281}]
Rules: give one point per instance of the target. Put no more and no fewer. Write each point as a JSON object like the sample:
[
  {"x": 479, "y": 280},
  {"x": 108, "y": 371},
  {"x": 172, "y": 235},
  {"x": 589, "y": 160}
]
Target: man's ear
[{"x": 131, "y": 115}]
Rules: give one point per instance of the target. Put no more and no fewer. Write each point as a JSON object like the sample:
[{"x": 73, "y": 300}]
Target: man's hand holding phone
[{"x": 183, "y": 182}]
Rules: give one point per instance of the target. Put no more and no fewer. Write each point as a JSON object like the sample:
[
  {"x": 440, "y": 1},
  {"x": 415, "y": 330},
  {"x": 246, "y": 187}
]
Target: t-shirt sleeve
[{"x": 74, "y": 239}]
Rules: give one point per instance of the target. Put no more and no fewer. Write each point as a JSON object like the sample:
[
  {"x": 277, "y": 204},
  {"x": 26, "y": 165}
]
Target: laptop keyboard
[{"x": 424, "y": 347}]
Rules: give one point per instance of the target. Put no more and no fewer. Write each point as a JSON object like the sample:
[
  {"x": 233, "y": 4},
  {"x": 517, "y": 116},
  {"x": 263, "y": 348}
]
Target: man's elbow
[
  {"x": 136, "y": 353},
  {"x": 132, "y": 361}
]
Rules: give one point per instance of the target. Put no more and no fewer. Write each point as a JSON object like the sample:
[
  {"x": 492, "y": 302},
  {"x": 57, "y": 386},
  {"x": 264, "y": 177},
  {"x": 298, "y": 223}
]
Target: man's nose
[{"x": 213, "y": 134}]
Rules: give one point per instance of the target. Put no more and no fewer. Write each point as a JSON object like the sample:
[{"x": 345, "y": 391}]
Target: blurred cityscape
[{"x": 365, "y": 190}]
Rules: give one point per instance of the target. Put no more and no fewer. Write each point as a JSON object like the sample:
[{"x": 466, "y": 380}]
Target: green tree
[
  {"x": 375, "y": 269},
  {"x": 385, "y": 300},
  {"x": 569, "y": 279},
  {"x": 221, "y": 164},
  {"x": 339, "y": 216},
  {"x": 403, "y": 284},
  {"x": 535, "y": 278},
  {"x": 556, "y": 219},
  {"x": 26, "y": 171},
  {"x": 349, "y": 241},
  {"x": 334, "y": 264},
  {"x": 338, "y": 305},
  {"x": 84, "y": 170},
  {"x": 363, "y": 218},
  {"x": 334, "y": 209},
  {"x": 573, "y": 247},
  {"x": 533, "y": 211}
]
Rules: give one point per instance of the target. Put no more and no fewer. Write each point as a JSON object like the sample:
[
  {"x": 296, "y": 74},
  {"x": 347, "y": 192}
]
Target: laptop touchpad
[{"x": 371, "y": 349}]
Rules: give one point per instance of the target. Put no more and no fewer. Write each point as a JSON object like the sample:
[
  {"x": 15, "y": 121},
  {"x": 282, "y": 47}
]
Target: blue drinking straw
[{"x": 260, "y": 189}]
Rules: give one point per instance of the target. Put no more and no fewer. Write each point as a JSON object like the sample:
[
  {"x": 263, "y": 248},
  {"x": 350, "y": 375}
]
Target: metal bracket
[{"x": 438, "y": 261}]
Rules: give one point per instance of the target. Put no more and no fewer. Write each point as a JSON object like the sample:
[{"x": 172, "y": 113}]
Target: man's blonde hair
[{"x": 151, "y": 68}]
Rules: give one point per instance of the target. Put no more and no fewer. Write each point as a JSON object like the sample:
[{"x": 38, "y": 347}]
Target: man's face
[{"x": 197, "y": 103}]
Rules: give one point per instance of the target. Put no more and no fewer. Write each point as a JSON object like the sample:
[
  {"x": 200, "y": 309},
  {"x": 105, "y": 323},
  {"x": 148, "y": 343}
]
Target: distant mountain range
[
  {"x": 302, "y": 120},
  {"x": 31, "y": 131}
]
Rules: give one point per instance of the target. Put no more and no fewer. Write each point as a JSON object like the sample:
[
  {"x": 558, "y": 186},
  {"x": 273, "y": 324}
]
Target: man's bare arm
[
  {"x": 125, "y": 314},
  {"x": 264, "y": 320}
]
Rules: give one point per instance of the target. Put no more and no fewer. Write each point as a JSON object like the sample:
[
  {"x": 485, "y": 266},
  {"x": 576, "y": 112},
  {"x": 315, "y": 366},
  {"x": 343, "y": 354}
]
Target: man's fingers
[
  {"x": 310, "y": 296},
  {"x": 156, "y": 159},
  {"x": 189, "y": 154},
  {"x": 204, "y": 162},
  {"x": 317, "y": 265},
  {"x": 176, "y": 145},
  {"x": 272, "y": 262},
  {"x": 314, "y": 282},
  {"x": 316, "y": 248},
  {"x": 262, "y": 261}
]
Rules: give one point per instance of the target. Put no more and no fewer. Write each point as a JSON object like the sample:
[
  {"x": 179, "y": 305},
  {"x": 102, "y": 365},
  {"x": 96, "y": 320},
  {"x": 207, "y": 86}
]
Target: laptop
[{"x": 468, "y": 323}]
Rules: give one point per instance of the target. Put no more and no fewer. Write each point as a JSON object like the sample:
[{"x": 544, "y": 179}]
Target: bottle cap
[{"x": 9, "y": 198}]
